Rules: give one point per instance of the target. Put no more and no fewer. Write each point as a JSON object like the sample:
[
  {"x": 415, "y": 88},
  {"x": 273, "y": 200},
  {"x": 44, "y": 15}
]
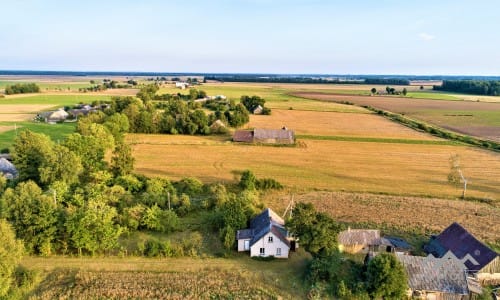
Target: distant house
[
  {"x": 477, "y": 258},
  {"x": 435, "y": 278},
  {"x": 218, "y": 126},
  {"x": 265, "y": 136},
  {"x": 258, "y": 110},
  {"x": 7, "y": 169},
  {"x": 359, "y": 240},
  {"x": 267, "y": 236},
  {"x": 182, "y": 85},
  {"x": 394, "y": 245}
]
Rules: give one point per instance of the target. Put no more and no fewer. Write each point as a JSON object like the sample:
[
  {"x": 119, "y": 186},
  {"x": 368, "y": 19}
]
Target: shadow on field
[{"x": 56, "y": 284}]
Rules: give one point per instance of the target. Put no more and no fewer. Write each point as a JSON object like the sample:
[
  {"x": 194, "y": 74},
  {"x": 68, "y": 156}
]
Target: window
[
  {"x": 262, "y": 251},
  {"x": 270, "y": 239},
  {"x": 278, "y": 251}
]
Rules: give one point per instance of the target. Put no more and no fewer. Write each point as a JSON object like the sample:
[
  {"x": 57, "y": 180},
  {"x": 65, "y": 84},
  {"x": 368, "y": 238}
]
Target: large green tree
[
  {"x": 122, "y": 162},
  {"x": 386, "y": 278},
  {"x": 61, "y": 165},
  {"x": 29, "y": 152},
  {"x": 11, "y": 251},
  {"x": 34, "y": 216}
]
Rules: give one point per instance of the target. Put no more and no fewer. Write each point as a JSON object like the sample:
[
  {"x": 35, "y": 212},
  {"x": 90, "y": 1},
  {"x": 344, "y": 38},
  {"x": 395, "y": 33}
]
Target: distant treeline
[
  {"x": 277, "y": 79},
  {"x": 393, "y": 81},
  {"x": 476, "y": 87},
  {"x": 22, "y": 88}
]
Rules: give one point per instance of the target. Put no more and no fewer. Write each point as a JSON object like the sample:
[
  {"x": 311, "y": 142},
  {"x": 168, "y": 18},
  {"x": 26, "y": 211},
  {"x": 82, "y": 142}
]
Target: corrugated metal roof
[
  {"x": 461, "y": 243},
  {"x": 280, "y": 134},
  {"x": 434, "y": 274},
  {"x": 359, "y": 237}
]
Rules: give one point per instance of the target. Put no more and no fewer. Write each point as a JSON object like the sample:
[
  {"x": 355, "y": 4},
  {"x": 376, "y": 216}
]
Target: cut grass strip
[{"x": 376, "y": 140}]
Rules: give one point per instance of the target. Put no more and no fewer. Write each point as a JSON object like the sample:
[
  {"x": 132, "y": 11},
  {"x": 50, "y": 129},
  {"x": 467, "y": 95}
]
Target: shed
[
  {"x": 244, "y": 136},
  {"x": 359, "y": 240}
]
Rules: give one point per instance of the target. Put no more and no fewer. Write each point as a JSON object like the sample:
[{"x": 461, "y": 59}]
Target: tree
[
  {"x": 248, "y": 180},
  {"x": 455, "y": 176},
  {"x": 421, "y": 87},
  {"x": 11, "y": 251},
  {"x": 386, "y": 278},
  {"x": 252, "y": 102},
  {"x": 374, "y": 91},
  {"x": 405, "y": 91},
  {"x": 317, "y": 232},
  {"x": 34, "y": 216},
  {"x": 122, "y": 162},
  {"x": 29, "y": 154},
  {"x": 63, "y": 165}
]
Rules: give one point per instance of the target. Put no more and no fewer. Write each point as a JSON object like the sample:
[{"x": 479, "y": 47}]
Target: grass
[
  {"x": 433, "y": 96},
  {"x": 57, "y": 132},
  {"x": 60, "y": 100},
  {"x": 174, "y": 278}
]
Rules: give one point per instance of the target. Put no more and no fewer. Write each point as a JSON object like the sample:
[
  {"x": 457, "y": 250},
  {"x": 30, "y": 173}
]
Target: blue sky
[{"x": 253, "y": 36}]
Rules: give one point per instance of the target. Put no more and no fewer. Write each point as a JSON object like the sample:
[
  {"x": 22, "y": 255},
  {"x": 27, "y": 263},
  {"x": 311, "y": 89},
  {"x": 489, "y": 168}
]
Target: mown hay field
[
  {"x": 426, "y": 215},
  {"x": 394, "y": 168},
  {"x": 336, "y": 123},
  {"x": 478, "y": 119},
  {"x": 51, "y": 99}
]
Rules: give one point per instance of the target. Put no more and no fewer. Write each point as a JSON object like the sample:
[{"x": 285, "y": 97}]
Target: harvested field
[
  {"x": 401, "y": 169},
  {"x": 337, "y": 124},
  {"x": 485, "y": 121},
  {"x": 4, "y": 128},
  {"x": 22, "y": 108},
  {"x": 408, "y": 213},
  {"x": 15, "y": 117}
]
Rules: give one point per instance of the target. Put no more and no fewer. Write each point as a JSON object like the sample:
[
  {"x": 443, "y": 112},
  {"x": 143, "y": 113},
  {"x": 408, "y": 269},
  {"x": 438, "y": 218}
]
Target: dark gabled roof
[
  {"x": 262, "y": 224},
  {"x": 434, "y": 274},
  {"x": 461, "y": 243},
  {"x": 397, "y": 242},
  {"x": 245, "y": 136},
  {"x": 6, "y": 167},
  {"x": 280, "y": 134}
]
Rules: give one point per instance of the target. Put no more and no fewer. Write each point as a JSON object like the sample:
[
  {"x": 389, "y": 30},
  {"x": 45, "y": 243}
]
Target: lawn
[
  {"x": 56, "y": 100},
  {"x": 57, "y": 132}
]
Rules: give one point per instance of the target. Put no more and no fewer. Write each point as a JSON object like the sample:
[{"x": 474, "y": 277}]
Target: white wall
[
  {"x": 270, "y": 248},
  {"x": 241, "y": 244}
]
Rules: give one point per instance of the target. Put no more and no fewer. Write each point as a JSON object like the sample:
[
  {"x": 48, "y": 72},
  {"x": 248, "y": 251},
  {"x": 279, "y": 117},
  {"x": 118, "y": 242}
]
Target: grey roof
[
  {"x": 396, "y": 242},
  {"x": 6, "y": 167},
  {"x": 434, "y": 274},
  {"x": 245, "y": 136},
  {"x": 281, "y": 134},
  {"x": 265, "y": 222},
  {"x": 461, "y": 243},
  {"x": 359, "y": 237}
]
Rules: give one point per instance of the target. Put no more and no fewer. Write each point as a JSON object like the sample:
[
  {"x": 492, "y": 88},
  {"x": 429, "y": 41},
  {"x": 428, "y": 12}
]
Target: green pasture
[{"x": 57, "y": 132}]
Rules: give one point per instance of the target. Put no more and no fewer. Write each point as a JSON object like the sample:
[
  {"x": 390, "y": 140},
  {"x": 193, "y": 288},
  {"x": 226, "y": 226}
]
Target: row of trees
[
  {"x": 22, "y": 88},
  {"x": 476, "y": 87}
]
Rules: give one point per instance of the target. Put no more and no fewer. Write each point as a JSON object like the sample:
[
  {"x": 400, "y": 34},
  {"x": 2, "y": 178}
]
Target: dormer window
[{"x": 270, "y": 239}]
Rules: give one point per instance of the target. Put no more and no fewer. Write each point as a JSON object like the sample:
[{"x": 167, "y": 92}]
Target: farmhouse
[
  {"x": 477, "y": 258},
  {"x": 267, "y": 236},
  {"x": 435, "y": 278},
  {"x": 258, "y": 110},
  {"x": 359, "y": 240},
  {"x": 265, "y": 136},
  {"x": 7, "y": 169},
  {"x": 182, "y": 85}
]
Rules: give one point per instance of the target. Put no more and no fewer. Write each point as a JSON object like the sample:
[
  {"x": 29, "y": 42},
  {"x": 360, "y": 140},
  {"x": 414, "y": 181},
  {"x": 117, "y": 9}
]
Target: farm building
[
  {"x": 435, "y": 278},
  {"x": 359, "y": 240},
  {"x": 258, "y": 110},
  {"x": 267, "y": 236},
  {"x": 218, "y": 126},
  {"x": 53, "y": 116},
  {"x": 265, "y": 136},
  {"x": 181, "y": 85},
  {"x": 7, "y": 169},
  {"x": 477, "y": 258}
]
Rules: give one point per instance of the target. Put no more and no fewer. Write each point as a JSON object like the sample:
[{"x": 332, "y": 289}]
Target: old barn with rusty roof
[{"x": 265, "y": 136}]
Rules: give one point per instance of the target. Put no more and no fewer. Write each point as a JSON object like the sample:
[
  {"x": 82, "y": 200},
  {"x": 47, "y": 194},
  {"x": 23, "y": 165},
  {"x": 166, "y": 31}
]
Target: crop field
[
  {"x": 173, "y": 278},
  {"x": 472, "y": 118},
  {"x": 56, "y": 131},
  {"x": 401, "y": 212},
  {"x": 336, "y": 124},
  {"x": 53, "y": 100},
  {"x": 394, "y": 168}
]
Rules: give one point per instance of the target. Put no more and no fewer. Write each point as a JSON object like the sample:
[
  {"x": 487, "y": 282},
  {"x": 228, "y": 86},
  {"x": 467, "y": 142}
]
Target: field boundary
[{"x": 377, "y": 140}]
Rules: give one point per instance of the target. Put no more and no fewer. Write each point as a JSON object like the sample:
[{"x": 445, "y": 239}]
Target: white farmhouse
[
  {"x": 267, "y": 236},
  {"x": 181, "y": 85}
]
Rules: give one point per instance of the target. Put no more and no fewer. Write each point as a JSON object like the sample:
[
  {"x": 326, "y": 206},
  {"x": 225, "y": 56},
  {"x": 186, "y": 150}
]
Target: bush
[
  {"x": 268, "y": 183},
  {"x": 21, "y": 88}
]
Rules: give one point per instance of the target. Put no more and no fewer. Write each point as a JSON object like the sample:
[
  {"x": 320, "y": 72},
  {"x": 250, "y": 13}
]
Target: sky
[{"x": 445, "y": 37}]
